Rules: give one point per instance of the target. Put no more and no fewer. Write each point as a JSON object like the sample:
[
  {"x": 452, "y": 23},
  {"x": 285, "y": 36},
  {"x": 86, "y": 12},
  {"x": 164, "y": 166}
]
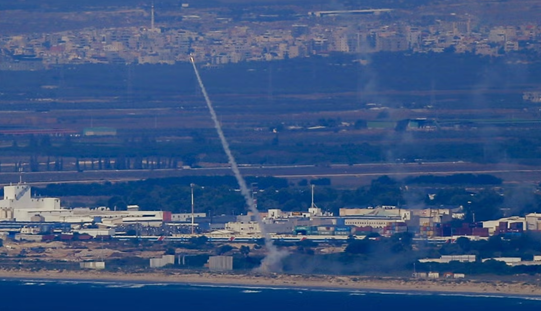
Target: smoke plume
[{"x": 272, "y": 262}]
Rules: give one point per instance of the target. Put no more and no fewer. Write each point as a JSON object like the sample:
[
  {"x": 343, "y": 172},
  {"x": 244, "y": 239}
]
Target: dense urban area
[{"x": 221, "y": 36}]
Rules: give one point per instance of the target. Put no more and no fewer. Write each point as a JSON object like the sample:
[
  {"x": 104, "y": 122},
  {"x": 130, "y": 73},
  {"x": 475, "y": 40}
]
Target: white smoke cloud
[{"x": 272, "y": 262}]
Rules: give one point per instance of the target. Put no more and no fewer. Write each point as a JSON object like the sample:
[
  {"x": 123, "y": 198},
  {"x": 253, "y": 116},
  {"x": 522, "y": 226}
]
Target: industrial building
[
  {"x": 378, "y": 218},
  {"x": 186, "y": 217},
  {"x": 19, "y": 206},
  {"x": 506, "y": 225},
  {"x": 533, "y": 222},
  {"x": 276, "y": 221},
  {"x": 220, "y": 263},
  {"x": 449, "y": 258},
  {"x": 162, "y": 262},
  {"x": 382, "y": 211},
  {"x": 93, "y": 265}
]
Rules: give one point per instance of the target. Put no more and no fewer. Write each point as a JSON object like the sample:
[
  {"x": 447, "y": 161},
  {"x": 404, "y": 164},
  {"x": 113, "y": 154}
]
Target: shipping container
[
  {"x": 482, "y": 232},
  {"x": 84, "y": 237},
  {"x": 66, "y": 237},
  {"x": 47, "y": 237}
]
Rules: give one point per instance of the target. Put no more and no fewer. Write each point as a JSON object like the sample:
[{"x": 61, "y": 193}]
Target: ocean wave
[
  {"x": 491, "y": 296},
  {"x": 126, "y": 285},
  {"x": 28, "y": 281},
  {"x": 357, "y": 294},
  {"x": 247, "y": 291},
  {"x": 395, "y": 292},
  {"x": 160, "y": 284},
  {"x": 474, "y": 295},
  {"x": 238, "y": 286}
]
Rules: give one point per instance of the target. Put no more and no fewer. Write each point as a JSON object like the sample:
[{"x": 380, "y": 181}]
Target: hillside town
[{"x": 214, "y": 37}]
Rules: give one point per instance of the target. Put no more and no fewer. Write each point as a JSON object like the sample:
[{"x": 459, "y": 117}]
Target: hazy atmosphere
[{"x": 227, "y": 147}]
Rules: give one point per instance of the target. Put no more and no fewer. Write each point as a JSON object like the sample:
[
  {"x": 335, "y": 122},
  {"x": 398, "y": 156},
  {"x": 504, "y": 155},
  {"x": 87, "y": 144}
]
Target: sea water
[{"x": 102, "y": 296}]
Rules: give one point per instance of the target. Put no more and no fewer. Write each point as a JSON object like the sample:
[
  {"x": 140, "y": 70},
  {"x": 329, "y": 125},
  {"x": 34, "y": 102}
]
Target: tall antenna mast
[
  {"x": 191, "y": 188},
  {"x": 152, "y": 17},
  {"x": 313, "y": 204}
]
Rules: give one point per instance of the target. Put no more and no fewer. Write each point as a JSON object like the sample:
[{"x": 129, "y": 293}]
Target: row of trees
[{"x": 43, "y": 153}]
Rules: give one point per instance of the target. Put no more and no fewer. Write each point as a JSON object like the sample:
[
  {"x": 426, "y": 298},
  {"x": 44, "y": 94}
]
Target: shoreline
[{"x": 315, "y": 282}]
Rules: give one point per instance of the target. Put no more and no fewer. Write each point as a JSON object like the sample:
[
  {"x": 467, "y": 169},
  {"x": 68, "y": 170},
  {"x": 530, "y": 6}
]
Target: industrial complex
[{"x": 35, "y": 218}]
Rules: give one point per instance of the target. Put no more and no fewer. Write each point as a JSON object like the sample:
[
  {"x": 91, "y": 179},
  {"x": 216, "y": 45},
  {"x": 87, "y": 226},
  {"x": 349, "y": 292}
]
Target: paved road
[{"x": 338, "y": 173}]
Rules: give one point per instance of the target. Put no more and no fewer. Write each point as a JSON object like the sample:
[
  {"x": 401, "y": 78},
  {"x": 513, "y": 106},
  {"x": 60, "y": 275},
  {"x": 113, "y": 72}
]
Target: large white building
[
  {"x": 19, "y": 205},
  {"x": 383, "y": 211}
]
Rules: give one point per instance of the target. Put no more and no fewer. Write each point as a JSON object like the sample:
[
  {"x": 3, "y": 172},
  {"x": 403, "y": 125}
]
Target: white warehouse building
[{"x": 18, "y": 205}]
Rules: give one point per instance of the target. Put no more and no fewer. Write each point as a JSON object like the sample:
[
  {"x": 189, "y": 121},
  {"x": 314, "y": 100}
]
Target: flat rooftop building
[{"x": 18, "y": 205}]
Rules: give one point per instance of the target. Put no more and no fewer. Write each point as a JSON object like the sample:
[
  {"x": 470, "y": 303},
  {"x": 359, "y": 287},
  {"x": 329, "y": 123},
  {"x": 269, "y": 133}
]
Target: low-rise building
[
  {"x": 504, "y": 225},
  {"x": 220, "y": 263},
  {"x": 433, "y": 275},
  {"x": 381, "y": 211},
  {"x": 533, "y": 222},
  {"x": 510, "y": 261},
  {"x": 94, "y": 265},
  {"x": 449, "y": 258},
  {"x": 162, "y": 261}
]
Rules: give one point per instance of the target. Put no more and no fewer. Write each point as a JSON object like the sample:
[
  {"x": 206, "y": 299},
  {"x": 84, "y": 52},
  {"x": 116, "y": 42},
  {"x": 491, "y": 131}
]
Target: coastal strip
[{"x": 350, "y": 283}]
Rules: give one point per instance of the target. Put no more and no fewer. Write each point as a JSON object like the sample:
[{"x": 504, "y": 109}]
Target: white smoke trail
[{"x": 272, "y": 262}]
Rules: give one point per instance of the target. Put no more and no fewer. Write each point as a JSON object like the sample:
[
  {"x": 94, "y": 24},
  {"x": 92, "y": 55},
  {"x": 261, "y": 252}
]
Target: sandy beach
[{"x": 516, "y": 288}]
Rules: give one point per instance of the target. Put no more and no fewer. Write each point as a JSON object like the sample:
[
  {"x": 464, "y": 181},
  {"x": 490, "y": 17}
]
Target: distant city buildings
[{"x": 217, "y": 40}]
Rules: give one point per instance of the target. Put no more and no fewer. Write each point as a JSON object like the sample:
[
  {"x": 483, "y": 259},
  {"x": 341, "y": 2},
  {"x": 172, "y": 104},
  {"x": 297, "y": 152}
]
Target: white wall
[{"x": 251, "y": 227}]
